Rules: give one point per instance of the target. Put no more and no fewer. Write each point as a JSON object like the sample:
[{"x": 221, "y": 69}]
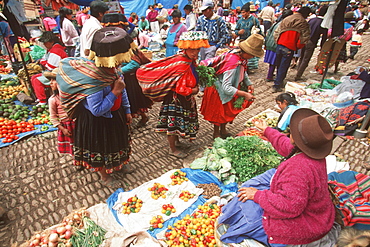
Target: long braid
[{"x": 293, "y": 152}]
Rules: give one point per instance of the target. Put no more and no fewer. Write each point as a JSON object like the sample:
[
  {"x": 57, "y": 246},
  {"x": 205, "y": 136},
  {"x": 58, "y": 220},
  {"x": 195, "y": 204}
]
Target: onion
[
  {"x": 38, "y": 236},
  {"x": 53, "y": 238},
  {"x": 61, "y": 230},
  {"x": 52, "y": 244},
  {"x": 67, "y": 234},
  {"x": 36, "y": 242},
  {"x": 53, "y": 231},
  {"x": 68, "y": 227}
]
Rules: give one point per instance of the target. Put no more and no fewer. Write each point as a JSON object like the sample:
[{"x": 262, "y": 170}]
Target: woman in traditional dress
[
  {"x": 174, "y": 81},
  {"x": 93, "y": 92},
  {"x": 233, "y": 91},
  {"x": 290, "y": 205},
  {"x": 139, "y": 103}
]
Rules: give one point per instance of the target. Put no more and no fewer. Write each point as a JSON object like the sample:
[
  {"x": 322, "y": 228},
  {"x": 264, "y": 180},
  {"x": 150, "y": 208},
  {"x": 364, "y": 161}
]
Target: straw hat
[
  {"x": 111, "y": 46},
  {"x": 311, "y": 133},
  {"x": 252, "y": 8},
  {"x": 160, "y": 5},
  {"x": 51, "y": 74},
  {"x": 253, "y": 45},
  {"x": 193, "y": 40}
]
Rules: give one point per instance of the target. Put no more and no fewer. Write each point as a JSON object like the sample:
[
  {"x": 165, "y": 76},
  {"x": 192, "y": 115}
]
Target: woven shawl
[
  {"x": 159, "y": 77},
  {"x": 79, "y": 78}
]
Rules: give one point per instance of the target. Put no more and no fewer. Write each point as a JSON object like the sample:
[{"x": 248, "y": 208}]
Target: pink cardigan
[{"x": 297, "y": 208}]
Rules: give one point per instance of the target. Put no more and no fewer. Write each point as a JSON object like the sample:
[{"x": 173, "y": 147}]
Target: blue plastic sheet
[
  {"x": 37, "y": 130},
  {"x": 196, "y": 177}
]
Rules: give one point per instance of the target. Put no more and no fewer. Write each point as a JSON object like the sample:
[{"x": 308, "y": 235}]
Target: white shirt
[
  {"x": 88, "y": 30},
  {"x": 191, "y": 21},
  {"x": 68, "y": 32}
]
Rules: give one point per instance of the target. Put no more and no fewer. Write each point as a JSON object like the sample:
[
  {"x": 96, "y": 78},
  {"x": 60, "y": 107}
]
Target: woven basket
[{"x": 148, "y": 54}]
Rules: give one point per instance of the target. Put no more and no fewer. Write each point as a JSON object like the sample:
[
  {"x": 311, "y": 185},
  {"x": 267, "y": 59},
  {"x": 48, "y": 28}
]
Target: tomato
[
  {"x": 16, "y": 137},
  {"x": 4, "y": 140}
]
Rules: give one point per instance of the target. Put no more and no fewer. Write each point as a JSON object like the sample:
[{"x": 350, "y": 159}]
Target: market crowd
[{"x": 97, "y": 77}]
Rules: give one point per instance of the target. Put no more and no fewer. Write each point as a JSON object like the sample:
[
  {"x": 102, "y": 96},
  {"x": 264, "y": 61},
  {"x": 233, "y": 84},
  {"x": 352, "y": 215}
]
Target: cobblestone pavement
[{"x": 39, "y": 187}]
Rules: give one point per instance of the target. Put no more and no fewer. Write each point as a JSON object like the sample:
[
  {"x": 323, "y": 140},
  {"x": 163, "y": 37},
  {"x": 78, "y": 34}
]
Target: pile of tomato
[
  {"x": 9, "y": 129},
  {"x": 196, "y": 230}
]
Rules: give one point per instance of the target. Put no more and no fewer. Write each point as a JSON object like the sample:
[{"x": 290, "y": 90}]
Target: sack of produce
[{"x": 24, "y": 98}]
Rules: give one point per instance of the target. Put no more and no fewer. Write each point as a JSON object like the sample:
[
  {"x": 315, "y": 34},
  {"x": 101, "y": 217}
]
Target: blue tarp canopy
[
  {"x": 263, "y": 3},
  {"x": 141, "y": 6}
]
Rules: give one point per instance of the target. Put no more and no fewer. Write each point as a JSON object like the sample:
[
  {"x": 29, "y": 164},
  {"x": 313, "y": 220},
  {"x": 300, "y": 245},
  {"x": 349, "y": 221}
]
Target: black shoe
[
  {"x": 275, "y": 89},
  {"x": 298, "y": 79}
]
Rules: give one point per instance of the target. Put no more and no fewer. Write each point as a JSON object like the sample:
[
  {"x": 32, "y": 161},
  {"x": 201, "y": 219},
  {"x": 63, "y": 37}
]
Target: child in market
[
  {"x": 59, "y": 117},
  {"x": 356, "y": 43},
  {"x": 288, "y": 105}
]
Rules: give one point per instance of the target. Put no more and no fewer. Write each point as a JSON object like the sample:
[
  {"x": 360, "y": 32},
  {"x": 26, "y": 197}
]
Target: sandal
[
  {"x": 111, "y": 183},
  {"x": 224, "y": 136},
  {"x": 180, "y": 154},
  {"x": 127, "y": 169},
  {"x": 141, "y": 124}
]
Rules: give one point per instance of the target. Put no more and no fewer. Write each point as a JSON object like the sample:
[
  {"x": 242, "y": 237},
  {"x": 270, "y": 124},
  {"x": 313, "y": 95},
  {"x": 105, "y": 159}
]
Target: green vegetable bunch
[
  {"x": 251, "y": 156},
  {"x": 238, "y": 159},
  {"x": 91, "y": 235},
  {"x": 207, "y": 76}
]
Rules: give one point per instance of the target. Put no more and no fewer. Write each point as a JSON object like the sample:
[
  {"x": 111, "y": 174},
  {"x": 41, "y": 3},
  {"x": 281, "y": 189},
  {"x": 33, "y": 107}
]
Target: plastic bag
[{"x": 37, "y": 52}]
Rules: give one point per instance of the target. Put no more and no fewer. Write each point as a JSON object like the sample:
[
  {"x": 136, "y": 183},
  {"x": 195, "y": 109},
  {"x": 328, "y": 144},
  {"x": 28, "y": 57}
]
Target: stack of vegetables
[
  {"x": 76, "y": 230},
  {"x": 238, "y": 159}
]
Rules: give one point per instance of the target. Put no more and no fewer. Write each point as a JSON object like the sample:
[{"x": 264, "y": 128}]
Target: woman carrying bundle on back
[{"x": 174, "y": 81}]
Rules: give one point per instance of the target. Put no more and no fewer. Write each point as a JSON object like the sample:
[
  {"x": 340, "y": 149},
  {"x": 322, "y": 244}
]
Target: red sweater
[
  {"x": 290, "y": 39},
  {"x": 297, "y": 207}
]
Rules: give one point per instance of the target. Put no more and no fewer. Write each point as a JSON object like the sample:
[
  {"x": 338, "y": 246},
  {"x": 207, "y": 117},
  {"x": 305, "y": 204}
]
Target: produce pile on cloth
[
  {"x": 185, "y": 198},
  {"x": 238, "y": 159},
  {"x": 18, "y": 120},
  {"x": 77, "y": 230}
]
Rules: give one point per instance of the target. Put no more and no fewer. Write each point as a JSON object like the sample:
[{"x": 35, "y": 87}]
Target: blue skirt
[
  {"x": 244, "y": 219},
  {"x": 270, "y": 57}
]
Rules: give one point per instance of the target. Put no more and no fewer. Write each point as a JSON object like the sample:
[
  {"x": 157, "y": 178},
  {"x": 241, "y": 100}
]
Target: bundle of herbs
[
  {"x": 207, "y": 76},
  {"x": 238, "y": 159},
  {"x": 91, "y": 235}
]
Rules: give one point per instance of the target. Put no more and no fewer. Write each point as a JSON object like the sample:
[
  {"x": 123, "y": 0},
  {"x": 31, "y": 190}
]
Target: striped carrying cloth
[
  {"x": 353, "y": 191},
  {"x": 78, "y": 78},
  {"x": 158, "y": 78}
]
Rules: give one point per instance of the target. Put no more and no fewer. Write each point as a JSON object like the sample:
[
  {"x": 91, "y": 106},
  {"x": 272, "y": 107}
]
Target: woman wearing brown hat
[
  {"x": 294, "y": 206},
  {"x": 233, "y": 91}
]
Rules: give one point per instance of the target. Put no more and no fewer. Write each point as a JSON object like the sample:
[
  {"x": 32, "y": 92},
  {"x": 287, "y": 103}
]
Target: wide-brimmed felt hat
[
  {"x": 114, "y": 19},
  {"x": 253, "y": 45},
  {"x": 311, "y": 133},
  {"x": 111, "y": 46}
]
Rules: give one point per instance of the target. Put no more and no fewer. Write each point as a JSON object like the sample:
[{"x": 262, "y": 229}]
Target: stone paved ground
[{"x": 39, "y": 187}]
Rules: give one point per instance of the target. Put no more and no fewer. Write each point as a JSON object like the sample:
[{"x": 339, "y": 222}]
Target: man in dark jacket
[
  {"x": 292, "y": 34},
  {"x": 316, "y": 32}
]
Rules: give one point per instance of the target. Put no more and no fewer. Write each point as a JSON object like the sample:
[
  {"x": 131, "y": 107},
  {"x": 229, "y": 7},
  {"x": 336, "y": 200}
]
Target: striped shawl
[{"x": 78, "y": 78}]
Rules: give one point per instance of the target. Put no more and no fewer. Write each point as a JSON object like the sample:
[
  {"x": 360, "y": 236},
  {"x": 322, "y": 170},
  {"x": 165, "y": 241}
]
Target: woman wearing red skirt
[{"x": 233, "y": 91}]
